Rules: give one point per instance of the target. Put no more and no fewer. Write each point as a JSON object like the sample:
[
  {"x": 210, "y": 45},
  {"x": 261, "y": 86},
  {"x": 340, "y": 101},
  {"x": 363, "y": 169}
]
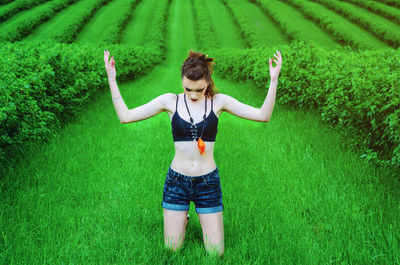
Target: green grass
[{"x": 292, "y": 191}]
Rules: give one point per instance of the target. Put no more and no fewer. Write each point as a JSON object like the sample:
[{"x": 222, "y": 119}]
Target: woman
[{"x": 193, "y": 174}]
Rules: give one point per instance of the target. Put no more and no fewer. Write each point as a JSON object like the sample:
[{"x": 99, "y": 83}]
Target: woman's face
[{"x": 194, "y": 90}]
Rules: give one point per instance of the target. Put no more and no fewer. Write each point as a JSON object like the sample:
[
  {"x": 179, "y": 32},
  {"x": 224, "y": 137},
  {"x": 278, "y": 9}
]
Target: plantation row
[
  {"x": 81, "y": 13},
  {"x": 388, "y": 32},
  {"x": 124, "y": 8},
  {"x": 293, "y": 24},
  {"x": 328, "y": 28},
  {"x": 36, "y": 99},
  {"x": 16, "y": 6},
  {"x": 246, "y": 28},
  {"x": 334, "y": 24},
  {"x": 205, "y": 31},
  {"x": 17, "y": 31},
  {"x": 39, "y": 92},
  {"x": 390, "y": 2},
  {"x": 5, "y": 1},
  {"x": 334, "y": 83},
  {"x": 379, "y": 9}
]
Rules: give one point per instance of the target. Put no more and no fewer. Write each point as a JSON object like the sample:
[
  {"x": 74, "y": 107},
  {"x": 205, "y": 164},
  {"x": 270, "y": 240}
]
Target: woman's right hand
[{"x": 110, "y": 66}]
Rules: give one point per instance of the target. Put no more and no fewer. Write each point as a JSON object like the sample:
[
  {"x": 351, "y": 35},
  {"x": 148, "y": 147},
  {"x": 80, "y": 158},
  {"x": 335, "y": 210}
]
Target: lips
[{"x": 194, "y": 99}]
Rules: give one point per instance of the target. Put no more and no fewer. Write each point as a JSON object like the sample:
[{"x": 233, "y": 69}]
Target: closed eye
[{"x": 197, "y": 90}]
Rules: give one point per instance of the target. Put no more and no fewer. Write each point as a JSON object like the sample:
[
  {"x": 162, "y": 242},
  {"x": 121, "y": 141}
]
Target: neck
[{"x": 199, "y": 102}]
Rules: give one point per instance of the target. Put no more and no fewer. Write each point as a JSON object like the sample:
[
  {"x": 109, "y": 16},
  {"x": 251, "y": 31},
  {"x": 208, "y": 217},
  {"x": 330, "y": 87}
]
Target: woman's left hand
[{"x": 274, "y": 71}]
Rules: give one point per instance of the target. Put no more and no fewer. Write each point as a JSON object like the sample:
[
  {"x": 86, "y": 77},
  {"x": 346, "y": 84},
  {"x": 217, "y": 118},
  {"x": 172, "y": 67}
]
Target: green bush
[
  {"x": 16, "y": 32},
  {"x": 16, "y": 6},
  {"x": 358, "y": 91},
  {"x": 45, "y": 83}
]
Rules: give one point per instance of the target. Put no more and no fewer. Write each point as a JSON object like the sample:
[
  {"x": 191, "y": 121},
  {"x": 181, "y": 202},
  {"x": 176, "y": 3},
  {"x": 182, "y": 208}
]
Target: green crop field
[{"x": 317, "y": 184}]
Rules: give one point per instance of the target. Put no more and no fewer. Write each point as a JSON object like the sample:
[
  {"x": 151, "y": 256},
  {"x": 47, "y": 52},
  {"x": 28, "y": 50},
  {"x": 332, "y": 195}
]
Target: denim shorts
[{"x": 204, "y": 191}]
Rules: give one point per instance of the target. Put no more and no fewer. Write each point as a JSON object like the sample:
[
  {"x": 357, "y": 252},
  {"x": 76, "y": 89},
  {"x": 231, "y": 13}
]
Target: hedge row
[
  {"x": 16, "y": 6},
  {"x": 205, "y": 28},
  {"x": 33, "y": 19},
  {"x": 44, "y": 84},
  {"x": 84, "y": 11},
  {"x": 382, "y": 31},
  {"x": 246, "y": 28},
  {"x": 157, "y": 27},
  {"x": 390, "y": 2},
  {"x": 286, "y": 24},
  {"x": 329, "y": 24},
  {"x": 5, "y": 1},
  {"x": 113, "y": 30},
  {"x": 356, "y": 91},
  {"x": 380, "y": 9}
]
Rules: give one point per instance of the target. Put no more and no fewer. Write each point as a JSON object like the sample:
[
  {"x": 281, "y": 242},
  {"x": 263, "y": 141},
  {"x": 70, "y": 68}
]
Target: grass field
[{"x": 293, "y": 192}]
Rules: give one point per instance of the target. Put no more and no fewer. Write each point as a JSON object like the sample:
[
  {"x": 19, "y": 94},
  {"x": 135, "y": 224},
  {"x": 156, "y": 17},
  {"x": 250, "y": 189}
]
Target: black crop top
[{"x": 182, "y": 131}]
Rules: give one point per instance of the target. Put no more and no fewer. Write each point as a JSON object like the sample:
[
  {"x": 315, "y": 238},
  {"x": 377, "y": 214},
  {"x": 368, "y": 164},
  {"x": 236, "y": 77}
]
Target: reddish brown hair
[{"x": 198, "y": 66}]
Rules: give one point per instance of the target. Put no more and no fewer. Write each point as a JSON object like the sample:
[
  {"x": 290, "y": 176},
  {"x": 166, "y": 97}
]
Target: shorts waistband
[{"x": 185, "y": 177}]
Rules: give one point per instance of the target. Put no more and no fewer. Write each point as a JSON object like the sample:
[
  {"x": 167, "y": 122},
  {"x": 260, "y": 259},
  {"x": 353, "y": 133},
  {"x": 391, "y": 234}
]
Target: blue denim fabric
[{"x": 204, "y": 191}]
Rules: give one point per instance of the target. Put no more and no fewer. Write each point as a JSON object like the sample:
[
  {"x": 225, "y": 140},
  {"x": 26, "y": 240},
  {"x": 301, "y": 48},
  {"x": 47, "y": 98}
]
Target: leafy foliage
[
  {"x": 355, "y": 90},
  {"x": 44, "y": 83}
]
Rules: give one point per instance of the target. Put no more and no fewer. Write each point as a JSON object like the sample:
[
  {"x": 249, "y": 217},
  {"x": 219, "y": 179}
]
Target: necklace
[{"x": 193, "y": 128}]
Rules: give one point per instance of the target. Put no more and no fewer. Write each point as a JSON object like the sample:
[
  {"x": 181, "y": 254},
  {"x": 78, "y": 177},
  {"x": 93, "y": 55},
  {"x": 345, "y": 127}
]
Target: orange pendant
[{"x": 202, "y": 146}]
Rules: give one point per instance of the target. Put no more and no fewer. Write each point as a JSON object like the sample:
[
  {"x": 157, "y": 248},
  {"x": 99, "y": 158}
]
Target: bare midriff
[{"x": 188, "y": 161}]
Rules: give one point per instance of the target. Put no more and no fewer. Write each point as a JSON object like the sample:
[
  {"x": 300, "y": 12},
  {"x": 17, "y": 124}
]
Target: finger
[
  {"x": 270, "y": 62},
  {"x": 275, "y": 61},
  {"x": 276, "y": 57},
  {"x": 105, "y": 56}
]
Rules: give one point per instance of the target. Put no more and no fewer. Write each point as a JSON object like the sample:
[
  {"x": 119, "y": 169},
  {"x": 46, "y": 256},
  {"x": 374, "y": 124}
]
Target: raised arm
[
  {"x": 264, "y": 113},
  {"x": 124, "y": 114},
  {"x": 149, "y": 109},
  {"x": 237, "y": 108}
]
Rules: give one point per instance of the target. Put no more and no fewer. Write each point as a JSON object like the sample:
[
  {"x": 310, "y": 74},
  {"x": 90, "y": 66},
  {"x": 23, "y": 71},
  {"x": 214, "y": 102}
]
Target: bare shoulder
[
  {"x": 219, "y": 102},
  {"x": 220, "y": 99},
  {"x": 168, "y": 101}
]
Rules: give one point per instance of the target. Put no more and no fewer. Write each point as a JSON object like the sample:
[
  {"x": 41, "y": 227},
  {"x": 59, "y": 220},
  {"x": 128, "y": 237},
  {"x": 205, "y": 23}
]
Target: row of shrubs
[
  {"x": 390, "y": 2},
  {"x": 84, "y": 11},
  {"x": 246, "y": 28},
  {"x": 205, "y": 28},
  {"x": 390, "y": 13},
  {"x": 32, "y": 19},
  {"x": 358, "y": 91},
  {"x": 44, "y": 84},
  {"x": 115, "y": 25},
  {"x": 285, "y": 23},
  {"x": 157, "y": 26},
  {"x": 328, "y": 23},
  {"x": 16, "y": 6},
  {"x": 382, "y": 31},
  {"x": 5, "y": 1}
]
